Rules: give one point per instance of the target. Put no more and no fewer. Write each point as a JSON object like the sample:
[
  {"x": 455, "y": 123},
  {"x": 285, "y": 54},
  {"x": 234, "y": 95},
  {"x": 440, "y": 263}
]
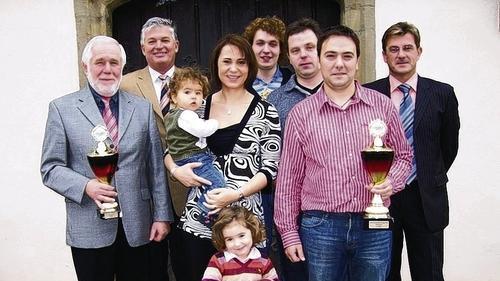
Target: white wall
[
  {"x": 38, "y": 57},
  {"x": 461, "y": 46},
  {"x": 38, "y": 62}
]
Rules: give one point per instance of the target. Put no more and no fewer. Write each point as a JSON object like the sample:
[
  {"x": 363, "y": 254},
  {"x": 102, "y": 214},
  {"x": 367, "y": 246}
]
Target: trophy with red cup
[
  {"x": 103, "y": 160},
  {"x": 377, "y": 160}
]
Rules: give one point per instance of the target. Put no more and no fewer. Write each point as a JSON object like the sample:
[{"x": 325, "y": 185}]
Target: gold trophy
[
  {"x": 103, "y": 160},
  {"x": 377, "y": 160}
]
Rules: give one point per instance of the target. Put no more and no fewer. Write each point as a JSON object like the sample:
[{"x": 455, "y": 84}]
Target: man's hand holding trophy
[
  {"x": 103, "y": 160},
  {"x": 377, "y": 160}
]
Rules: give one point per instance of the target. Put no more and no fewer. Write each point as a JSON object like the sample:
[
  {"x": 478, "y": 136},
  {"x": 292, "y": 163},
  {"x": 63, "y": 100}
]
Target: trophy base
[
  {"x": 107, "y": 214},
  {"x": 377, "y": 221}
]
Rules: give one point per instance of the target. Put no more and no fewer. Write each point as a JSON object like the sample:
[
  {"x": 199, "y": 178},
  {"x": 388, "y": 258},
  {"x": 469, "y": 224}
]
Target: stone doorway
[
  {"x": 95, "y": 17},
  {"x": 200, "y": 23}
]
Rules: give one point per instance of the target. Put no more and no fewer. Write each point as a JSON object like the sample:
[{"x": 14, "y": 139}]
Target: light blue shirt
[{"x": 263, "y": 88}]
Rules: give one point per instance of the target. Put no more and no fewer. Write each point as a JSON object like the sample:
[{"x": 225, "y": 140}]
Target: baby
[
  {"x": 235, "y": 234},
  {"x": 187, "y": 132}
]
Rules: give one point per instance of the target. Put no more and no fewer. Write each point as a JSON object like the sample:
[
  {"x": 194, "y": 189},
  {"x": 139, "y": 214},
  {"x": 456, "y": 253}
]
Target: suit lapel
[
  {"x": 386, "y": 87},
  {"x": 126, "y": 110},
  {"x": 87, "y": 106},
  {"x": 422, "y": 100},
  {"x": 145, "y": 85}
]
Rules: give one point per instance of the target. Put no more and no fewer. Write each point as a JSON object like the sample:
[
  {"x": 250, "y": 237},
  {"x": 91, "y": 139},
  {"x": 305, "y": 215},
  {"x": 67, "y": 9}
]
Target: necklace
[
  {"x": 345, "y": 103},
  {"x": 228, "y": 110}
]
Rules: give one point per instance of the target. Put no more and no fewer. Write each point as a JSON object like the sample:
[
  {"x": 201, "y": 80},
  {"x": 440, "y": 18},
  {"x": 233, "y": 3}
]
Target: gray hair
[
  {"x": 155, "y": 22},
  {"x": 87, "y": 51}
]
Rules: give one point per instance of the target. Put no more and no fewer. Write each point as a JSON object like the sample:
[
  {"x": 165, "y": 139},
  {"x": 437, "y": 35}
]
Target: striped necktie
[
  {"x": 164, "y": 100},
  {"x": 406, "y": 114},
  {"x": 110, "y": 120}
]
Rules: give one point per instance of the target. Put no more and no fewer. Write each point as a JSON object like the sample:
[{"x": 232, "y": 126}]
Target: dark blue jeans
[
  {"x": 338, "y": 248},
  {"x": 267, "y": 196},
  {"x": 207, "y": 171}
]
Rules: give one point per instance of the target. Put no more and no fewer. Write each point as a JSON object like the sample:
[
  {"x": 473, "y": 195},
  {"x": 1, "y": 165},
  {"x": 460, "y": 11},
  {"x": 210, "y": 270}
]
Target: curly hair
[
  {"x": 182, "y": 75},
  {"x": 242, "y": 215},
  {"x": 272, "y": 25}
]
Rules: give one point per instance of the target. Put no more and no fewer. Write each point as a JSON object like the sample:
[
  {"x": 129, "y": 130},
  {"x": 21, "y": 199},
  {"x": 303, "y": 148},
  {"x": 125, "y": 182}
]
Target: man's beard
[{"x": 105, "y": 91}]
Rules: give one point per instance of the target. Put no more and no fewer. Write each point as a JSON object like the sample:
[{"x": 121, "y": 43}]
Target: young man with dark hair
[{"x": 322, "y": 187}]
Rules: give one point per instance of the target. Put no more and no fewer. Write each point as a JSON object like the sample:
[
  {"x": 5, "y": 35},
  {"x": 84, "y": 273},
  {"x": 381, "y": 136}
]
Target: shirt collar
[
  {"x": 98, "y": 98},
  {"x": 291, "y": 84},
  {"x": 277, "y": 74},
  {"x": 412, "y": 82},
  {"x": 254, "y": 254},
  {"x": 359, "y": 95},
  {"x": 155, "y": 74}
]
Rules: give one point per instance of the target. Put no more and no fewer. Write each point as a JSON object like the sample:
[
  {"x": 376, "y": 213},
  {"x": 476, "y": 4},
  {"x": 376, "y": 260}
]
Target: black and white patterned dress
[{"x": 255, "y": 149}]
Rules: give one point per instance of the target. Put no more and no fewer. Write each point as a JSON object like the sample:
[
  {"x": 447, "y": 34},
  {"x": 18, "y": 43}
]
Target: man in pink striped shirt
[{"x": 322, "y": 187}]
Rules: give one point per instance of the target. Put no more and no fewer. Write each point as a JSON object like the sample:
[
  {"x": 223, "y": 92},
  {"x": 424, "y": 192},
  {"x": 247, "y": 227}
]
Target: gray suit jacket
[{"x": 140, "y": 179}]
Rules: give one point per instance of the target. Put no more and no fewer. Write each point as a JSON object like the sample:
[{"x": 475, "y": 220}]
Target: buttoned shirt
[
  {"x": 113, "y": 103},
  {"x": 157, "y": 82},
  {"x": 397, "y": 95},
  {"x": 321, "y": 167}
]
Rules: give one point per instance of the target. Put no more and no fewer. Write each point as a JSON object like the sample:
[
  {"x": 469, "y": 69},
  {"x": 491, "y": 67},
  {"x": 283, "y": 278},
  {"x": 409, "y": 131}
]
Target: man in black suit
[{"x": 429, "y": 111}]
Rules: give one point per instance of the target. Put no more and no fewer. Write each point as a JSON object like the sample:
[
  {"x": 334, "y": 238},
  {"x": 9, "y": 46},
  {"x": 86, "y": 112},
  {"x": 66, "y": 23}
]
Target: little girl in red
[{"x": 235, "y": 234}]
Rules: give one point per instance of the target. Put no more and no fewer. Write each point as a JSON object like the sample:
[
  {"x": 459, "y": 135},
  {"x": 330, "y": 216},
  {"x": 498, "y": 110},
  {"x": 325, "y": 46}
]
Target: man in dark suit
[
  {"x": 429, "y": 113},
  {"x": 113, "y": 249}
]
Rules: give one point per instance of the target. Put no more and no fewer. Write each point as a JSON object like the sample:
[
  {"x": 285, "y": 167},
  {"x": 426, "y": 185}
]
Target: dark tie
[
  {"x": 110, "y": 120},
  {"x": 406, "y": 114},
  {"x": 164, "y": 100}
]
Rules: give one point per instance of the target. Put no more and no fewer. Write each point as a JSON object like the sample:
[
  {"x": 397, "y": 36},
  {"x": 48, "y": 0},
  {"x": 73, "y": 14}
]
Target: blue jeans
[
  {"x": 207, "y": 171},
  {"x": 337, "y": 247}
]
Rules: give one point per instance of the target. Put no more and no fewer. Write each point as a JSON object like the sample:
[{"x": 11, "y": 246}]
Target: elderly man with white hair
[{"x": 107, "y": 249}]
